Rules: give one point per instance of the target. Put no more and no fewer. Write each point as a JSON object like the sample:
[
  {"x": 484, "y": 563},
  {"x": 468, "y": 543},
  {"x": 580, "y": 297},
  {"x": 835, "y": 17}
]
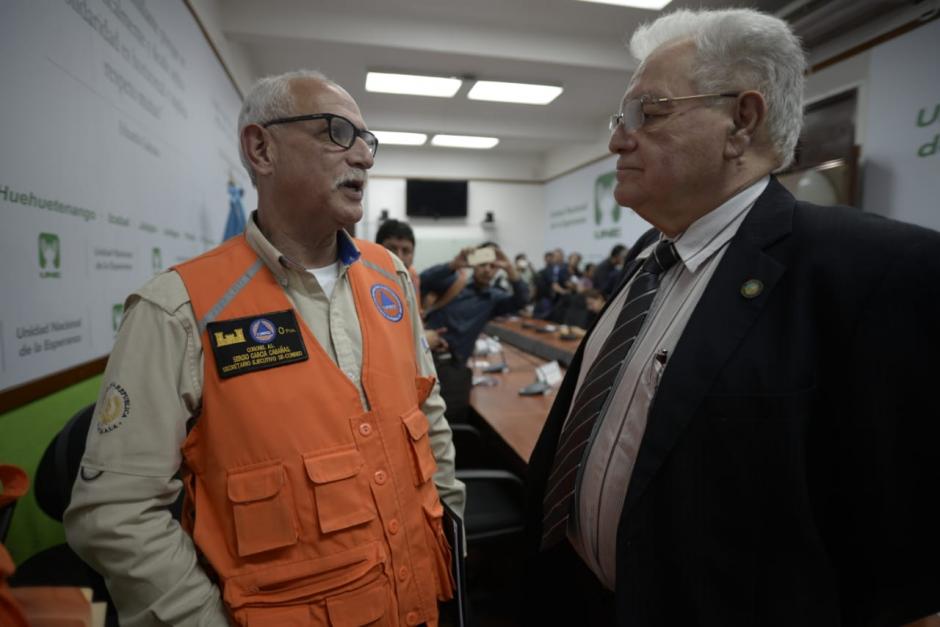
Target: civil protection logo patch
[
  {"x": 262, "y": 331},
  {"x": 387, "y": 302}
]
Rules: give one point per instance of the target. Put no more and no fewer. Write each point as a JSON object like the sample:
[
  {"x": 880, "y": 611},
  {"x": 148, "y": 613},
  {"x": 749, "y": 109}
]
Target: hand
[
  {"x": 435, "y": 339},
  {"x": 502, "y": 261},
  {"x": 460, "y": 261}
]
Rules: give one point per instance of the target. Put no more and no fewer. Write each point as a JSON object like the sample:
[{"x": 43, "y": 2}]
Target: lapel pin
[{"x": 752, "y": 288}]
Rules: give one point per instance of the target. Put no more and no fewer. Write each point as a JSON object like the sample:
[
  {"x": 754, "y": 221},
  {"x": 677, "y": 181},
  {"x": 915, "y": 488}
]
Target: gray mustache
[{"x": 355, "y": 175}]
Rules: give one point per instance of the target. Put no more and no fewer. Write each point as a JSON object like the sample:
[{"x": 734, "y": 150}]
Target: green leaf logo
[{"x": 604, "y": 198}]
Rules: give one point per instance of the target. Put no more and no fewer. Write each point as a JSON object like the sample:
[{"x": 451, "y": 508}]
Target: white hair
[
  {"x": 270, "y": 98},
  {"x": 736, "y": 50}
]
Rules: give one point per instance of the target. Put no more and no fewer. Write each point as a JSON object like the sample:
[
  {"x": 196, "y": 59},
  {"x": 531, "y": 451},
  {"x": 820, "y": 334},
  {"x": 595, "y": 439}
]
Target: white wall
[
  {"x": 429, "y": 162},
  {"x": 518, "y": 227}
]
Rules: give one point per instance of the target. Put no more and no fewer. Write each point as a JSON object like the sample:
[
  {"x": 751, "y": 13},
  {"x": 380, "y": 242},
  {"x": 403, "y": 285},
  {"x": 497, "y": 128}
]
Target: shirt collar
[
  {"x": 278, "y": 263},
  {"x": 713, "y": 230}
]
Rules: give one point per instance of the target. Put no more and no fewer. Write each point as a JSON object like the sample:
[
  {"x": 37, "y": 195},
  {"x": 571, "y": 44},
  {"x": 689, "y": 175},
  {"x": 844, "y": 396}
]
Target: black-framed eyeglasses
[
  {"x": 343, "y": 132},
  {"x": 634, "y": 112}
]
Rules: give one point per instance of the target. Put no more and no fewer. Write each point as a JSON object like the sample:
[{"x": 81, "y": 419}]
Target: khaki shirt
[{"x": 117, "y": 520}]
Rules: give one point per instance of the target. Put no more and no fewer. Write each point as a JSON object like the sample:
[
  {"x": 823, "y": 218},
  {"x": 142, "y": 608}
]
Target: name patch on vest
[{"x": 244, "y": 345}]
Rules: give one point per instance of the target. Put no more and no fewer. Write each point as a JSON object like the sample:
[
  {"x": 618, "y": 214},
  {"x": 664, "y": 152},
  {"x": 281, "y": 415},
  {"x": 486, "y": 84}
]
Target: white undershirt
[{"x": 326, "y": 277}]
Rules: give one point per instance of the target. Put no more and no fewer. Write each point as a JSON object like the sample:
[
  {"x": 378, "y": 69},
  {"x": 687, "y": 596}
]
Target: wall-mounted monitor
[{"x": 435, "y": 198}]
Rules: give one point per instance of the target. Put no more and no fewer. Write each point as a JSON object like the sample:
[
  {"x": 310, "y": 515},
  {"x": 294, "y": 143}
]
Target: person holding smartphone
[{"x": 465, "y": 302}]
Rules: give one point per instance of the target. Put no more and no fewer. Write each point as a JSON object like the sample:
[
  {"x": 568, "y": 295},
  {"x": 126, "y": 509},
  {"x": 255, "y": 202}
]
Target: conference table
[{"x": 517, "y": 420}]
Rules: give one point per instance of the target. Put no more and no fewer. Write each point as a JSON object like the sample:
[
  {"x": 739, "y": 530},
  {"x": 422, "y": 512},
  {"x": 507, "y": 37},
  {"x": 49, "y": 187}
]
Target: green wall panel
[{"x": 24, "y": 434}]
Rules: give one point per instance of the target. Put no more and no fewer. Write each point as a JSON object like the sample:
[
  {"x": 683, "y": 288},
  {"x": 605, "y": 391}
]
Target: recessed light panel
[
  {"x": 464, "y": 141},
  {"x": 655, "y": 5},
  {"x": 412, "y": 84},
  {"x": 523, "y": 93},
  {"x": 399, "y": 138}
]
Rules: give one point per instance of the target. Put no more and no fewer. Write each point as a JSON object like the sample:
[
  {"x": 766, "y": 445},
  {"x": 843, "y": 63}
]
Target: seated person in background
[
  {"x": 524, "y": 268},
  {"x": 583, "y": 310},
  {"x": 550, "y": 283},
  {"x": 398, "y": 237},
  {"x": 609, "y": 268},
  {"x": 462, "y": 309},
  {"x": 587, "y": 279}
]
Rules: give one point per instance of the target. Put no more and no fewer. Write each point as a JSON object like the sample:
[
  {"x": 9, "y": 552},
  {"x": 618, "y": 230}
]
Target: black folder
[{"x": 460, "y": 605}]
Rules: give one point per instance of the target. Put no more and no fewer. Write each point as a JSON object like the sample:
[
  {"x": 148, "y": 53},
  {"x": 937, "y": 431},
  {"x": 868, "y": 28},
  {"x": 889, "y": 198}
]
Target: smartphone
[{"x": 481, "y": 255}]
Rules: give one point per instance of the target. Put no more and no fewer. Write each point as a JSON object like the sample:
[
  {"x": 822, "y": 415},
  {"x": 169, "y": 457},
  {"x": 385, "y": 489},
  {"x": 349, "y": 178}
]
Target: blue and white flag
[{"x": 236, "y": 214}]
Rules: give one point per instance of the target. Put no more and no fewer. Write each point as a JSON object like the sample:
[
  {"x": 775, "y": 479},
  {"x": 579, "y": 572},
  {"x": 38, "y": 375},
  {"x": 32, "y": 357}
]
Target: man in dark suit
[{"x": 748, "y": 434}]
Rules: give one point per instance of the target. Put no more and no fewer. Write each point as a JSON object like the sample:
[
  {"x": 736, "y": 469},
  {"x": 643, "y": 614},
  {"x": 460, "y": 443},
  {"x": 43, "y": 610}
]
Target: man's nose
[
  {"x": 359, "y": 155},
  {"x": 622, "y": 140}
]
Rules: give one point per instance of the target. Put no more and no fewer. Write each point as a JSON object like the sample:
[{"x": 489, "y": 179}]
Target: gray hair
[
  {"x": 740, "y": 49},
  {"x": 270, "y": 98}
]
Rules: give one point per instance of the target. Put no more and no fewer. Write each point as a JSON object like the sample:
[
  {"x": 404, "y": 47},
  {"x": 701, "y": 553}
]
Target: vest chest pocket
[
  {"x": 416, "y": 426},
  {"x": 342, "y": 497},
  {"x": 262, "y": 510}
]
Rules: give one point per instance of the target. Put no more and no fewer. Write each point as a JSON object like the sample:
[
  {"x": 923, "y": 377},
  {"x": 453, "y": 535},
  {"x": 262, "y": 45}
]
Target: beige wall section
[{"x": 233, "y": 56}]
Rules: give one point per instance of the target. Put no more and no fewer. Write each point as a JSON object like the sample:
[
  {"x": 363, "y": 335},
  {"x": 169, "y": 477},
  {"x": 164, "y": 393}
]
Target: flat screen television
[{"x": 435, "y": 198}]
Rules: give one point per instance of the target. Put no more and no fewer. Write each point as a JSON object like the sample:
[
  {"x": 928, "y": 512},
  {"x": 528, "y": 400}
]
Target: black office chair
[
  {"x": 60, "y": 565},
  {"x": 494, "y": 496}
]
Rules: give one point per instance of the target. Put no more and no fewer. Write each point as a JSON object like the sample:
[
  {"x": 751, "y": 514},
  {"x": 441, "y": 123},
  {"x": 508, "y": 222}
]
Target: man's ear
[
  {"x": 258, "y": 149},
  {"x": 747, "y": 121}
]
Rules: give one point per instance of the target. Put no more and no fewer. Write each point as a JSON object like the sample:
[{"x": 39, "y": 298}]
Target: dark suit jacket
[{"x": 789, "y": 474}]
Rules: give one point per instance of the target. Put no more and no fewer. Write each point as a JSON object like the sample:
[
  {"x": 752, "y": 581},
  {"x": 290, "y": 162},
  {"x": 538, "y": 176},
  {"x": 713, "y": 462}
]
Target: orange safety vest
[{"x": 307, "y": 509}]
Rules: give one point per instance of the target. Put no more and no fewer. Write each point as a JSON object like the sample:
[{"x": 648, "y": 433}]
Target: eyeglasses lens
[
  {"x": 342, "y": 132},
  {"x": 632, "y": 114}
]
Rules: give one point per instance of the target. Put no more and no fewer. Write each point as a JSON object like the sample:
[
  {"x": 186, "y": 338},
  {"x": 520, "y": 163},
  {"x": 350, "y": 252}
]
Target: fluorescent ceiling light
[
  {"x": 655, "y": 5},
  {"x": 402, "y": 139},
  {"x": 411, "y": 84},
  {"x": 464, "y": 141},
  {"x": 523, "y": 93}
]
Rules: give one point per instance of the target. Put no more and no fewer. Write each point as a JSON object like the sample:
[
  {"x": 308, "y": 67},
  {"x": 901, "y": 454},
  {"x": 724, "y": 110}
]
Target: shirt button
[
  {"x": 365, "y": 428},
  {"x": 411, "y": 618},
  {"x": 351, "y": 375},
  {"x": 403, "y": 573},
  {"x": 393, "y": 526},
  {"x": 380, "y": 477}
]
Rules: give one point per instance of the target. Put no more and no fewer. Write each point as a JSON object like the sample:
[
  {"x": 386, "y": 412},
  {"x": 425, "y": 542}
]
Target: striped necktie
[{"x": 592, "y": 396}]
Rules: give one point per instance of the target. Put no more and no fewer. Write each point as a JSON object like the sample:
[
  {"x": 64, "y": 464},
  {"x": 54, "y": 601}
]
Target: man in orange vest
[{"x": 282, "y": 382}]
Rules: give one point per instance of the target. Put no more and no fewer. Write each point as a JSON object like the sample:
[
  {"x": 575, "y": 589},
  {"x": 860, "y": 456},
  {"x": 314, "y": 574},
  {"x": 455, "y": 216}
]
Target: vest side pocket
[
  {"x": 440, "y": 548},
  {"x": 342, "y": 499},
  {"x": 416, "y": 425},
  {"x": 263, "y": 514}
]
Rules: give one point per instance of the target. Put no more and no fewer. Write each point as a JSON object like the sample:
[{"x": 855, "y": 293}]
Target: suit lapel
[{"x": 719, "y": 323}]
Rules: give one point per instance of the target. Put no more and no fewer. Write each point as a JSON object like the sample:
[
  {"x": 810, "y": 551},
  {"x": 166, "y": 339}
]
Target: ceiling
[{"x": 579, "y": 45}]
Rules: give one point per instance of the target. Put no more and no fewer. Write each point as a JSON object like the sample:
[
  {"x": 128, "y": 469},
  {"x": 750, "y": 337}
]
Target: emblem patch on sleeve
[
  {"x": 244, "y": 345},
  {"x": 116, "y": 405}
]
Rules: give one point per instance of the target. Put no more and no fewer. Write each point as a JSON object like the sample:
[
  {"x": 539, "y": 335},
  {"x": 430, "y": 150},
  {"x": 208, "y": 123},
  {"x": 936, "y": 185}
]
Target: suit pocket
[
  {"x": 416, "y": 427},
  {"x": 342, "y": 497},
  {"x": 262, "y": 509}
]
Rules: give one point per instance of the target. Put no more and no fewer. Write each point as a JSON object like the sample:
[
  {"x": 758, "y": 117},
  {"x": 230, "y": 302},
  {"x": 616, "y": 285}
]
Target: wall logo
[
  {"x": 50, "y": 256},
  {"x": 156, "y": 260},
  {"x": 262, "y": 331},
  {"x": 387, "y": 302},
  {"x": 606, "y": 210},
  {"x": 114, "y": 409},
  {"x": 117, "y": 312}
]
